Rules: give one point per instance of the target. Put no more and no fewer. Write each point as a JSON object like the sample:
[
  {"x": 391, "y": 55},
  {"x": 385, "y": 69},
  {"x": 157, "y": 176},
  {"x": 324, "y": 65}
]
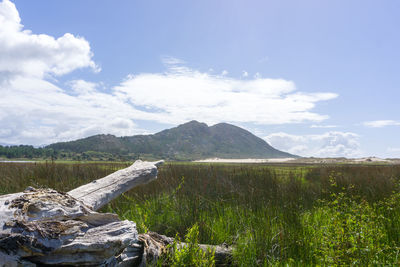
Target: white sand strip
[{"x": 218, "y": 160}]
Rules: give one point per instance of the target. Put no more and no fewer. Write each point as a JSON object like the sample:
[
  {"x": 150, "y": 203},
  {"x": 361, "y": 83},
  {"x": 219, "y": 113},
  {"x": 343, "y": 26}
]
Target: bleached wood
[
  {"x": 46, "y": 227},
  {"x": 43, "y": 226},
  {"x": 100, "y": 192}
]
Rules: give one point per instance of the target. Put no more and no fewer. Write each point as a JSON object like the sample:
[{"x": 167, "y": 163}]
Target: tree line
[
  {"x": 30, "y": 152},
  {"x": 26, "y": 151}
]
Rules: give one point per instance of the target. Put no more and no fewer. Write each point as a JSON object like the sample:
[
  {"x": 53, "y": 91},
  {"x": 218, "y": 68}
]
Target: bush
[
  {"x": 189, "y": 254},
  {"x": 346, "y": 231}
]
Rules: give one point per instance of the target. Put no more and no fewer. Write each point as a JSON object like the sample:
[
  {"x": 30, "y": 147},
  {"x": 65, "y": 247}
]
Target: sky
[{"x": 314, "y": 78}]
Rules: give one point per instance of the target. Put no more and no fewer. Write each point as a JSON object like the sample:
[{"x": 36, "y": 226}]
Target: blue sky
[{"x": 315, "y": 78}]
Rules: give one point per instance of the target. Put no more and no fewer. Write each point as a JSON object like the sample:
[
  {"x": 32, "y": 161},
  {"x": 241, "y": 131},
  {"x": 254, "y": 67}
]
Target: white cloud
[
  {"x": 168, "y": 60},
  {"x": 38, "y": 112},
  {"x": 245, "y": 74},
  {"x": 28, "y": 54},
  {"x": 224, "y": 72},
  {"x": 34, "y": 110},
  {"x": 182, "y": 94},
  {"x": 329, "y": 144},
  {"x": 83, "y": 87},
  {"x": 323, "y": 126},
  {"x": 381, "y": 123}
]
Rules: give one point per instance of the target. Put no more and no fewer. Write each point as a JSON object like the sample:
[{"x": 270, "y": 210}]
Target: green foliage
[
  {"x": 275, "y": 215},
  {"x": 272, "y": 215},
  {"x": 189, "y": 254},
  {"x": 15, "y": 177},
  {"x": 30, "y": 152},
  {"x": 192, "y": 140},
  {"x": 27, "y": 152},
  {"x": 345, "y": 231},
  {"x": 245, "y": 250},
  {"x": 189, "y": 141}
]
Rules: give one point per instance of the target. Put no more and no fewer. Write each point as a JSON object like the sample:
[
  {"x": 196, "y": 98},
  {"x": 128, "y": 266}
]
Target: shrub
[{"x": 189, "y": 254}]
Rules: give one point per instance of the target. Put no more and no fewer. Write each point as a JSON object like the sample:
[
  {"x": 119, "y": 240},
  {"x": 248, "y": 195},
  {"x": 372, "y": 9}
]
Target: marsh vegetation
[{"x": 270, "y": 214}]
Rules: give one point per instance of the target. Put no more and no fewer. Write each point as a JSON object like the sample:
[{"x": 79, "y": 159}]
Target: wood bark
[
  {"x": 99, "y": 192},
  {"x": 47, "y": 227},
  {"x": 155, "y": 245}
]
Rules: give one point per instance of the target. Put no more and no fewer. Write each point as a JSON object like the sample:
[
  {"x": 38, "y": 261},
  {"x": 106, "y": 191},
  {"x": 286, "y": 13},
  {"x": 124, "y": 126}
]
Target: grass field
[{"x": 270, "y": 214}]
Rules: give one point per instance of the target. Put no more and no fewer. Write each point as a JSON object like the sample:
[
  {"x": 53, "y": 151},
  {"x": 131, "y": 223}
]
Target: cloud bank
[
  {"x": 329, "y": 144},
  {"x": 181, "y": 94},
  {"x": 35, "y": 109},
  {"x": 34, "y": 55},
  {"x": 381, "y": 123}
]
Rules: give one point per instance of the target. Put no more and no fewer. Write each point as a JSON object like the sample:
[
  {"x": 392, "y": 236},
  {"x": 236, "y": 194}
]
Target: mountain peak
[
  {"x": 188, "y": 141},
  {"x": 193, "y": 123}
]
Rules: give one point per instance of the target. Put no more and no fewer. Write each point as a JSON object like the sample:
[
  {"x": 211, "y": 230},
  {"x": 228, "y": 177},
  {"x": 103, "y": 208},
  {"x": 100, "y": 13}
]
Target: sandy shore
[
  {"x": 275, "y": 160},
  {"x": 371, "y": 159},
  {"x": 306, "y": 160}
]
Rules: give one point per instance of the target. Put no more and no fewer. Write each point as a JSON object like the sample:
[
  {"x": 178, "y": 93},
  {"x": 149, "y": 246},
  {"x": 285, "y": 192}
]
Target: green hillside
[{"x": 189, "y": 141}]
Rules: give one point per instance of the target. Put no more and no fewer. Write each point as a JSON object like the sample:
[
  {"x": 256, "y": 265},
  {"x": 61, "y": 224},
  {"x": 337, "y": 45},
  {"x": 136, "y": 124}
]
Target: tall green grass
[
  {"x": 15, "y": 177},
  {"x": 271, "y": 215}
]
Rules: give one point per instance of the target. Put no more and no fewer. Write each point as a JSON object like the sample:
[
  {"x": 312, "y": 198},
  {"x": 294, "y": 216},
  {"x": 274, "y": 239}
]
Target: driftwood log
[{"x": 47, "y": 227}]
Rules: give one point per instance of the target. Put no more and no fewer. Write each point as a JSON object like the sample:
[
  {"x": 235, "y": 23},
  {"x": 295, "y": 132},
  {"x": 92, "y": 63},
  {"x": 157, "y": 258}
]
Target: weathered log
[
  {"x": 155, "y": 245},
  {"x": 43, "y": 226},
  {"x": 47, "y": 227},
  {"x": 99, "y": 192}
]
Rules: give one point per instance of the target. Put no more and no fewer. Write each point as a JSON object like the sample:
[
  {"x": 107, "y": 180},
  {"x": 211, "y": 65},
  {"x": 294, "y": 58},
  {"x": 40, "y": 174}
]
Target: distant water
[{"x": 16, "y": 161}]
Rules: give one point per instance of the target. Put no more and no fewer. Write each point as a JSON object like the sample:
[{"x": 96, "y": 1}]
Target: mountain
[{"x": 192, "y": 140}]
